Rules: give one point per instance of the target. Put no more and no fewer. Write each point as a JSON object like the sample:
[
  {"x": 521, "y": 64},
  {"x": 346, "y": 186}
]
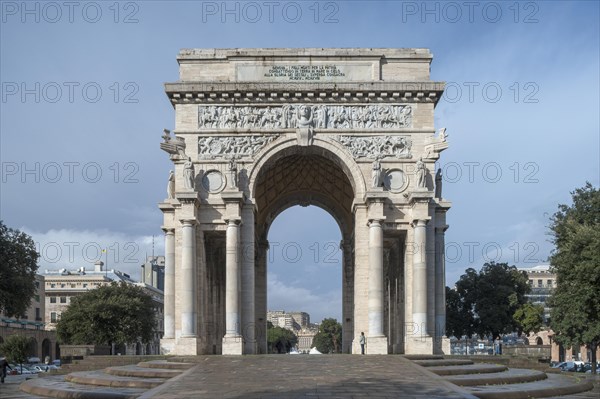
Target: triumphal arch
[{"x": 260, "y": 130}]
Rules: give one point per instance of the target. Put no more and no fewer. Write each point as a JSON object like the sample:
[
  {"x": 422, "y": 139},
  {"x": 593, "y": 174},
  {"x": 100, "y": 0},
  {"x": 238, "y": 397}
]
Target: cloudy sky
[{"x": 83, "y": 108}]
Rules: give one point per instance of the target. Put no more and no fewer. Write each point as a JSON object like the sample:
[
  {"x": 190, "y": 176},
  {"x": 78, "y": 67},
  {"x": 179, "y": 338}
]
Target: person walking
[
  {"x": 362, "y": 341},
  {"x": 3, "y": 366}
]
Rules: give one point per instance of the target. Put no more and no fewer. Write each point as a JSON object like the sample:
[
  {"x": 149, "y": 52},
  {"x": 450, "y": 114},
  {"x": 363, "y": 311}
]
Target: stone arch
[
  {"x": 539, "y": 341},
  {"x": 287, "y": 145},
  {"x": 46, "y": 349},
  {"x": 323, "y": 174}
]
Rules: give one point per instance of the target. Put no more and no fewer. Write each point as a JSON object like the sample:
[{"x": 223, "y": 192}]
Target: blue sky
[{"x": 83, "y": 108}]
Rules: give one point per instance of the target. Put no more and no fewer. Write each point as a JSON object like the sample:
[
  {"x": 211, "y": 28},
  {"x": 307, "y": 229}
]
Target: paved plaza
[{"x": 306, "y": 376}]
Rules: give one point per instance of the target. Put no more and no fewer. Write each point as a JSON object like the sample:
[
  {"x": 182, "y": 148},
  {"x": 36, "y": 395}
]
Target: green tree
[
  {"x": 279, "y": 339},
  {"x": 329, "y": 337},
  {"x": 16, "y": 349},
  {"x": 575, "y": 302},
  {"x": 489, "y": 299},
  {"x": 18, "y": 265},
  {"x": 529, "y": 318},
  {"x": 459, "y": 318},
  {"x": 111, "y": 314}
]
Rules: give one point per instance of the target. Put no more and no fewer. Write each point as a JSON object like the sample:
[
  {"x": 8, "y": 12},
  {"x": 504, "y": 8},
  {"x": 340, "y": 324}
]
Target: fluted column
[
  {"x": 188, "y": 278},
  {"x": 232, "y": 279},
  {"x": 375, "y": 278},
  {"x": 419, "y": 296},
  {"x": 169, "y": 306}
]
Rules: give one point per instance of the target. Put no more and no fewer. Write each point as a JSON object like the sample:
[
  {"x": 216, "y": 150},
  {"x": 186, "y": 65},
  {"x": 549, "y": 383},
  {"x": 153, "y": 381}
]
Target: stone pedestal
[
  {"x": 233, "y": 345},
  {"x": 445, "y": 346},
  {"x": 376, "y": 346},
  {"x": 421, "y": 345},
  {"x": 186, "y": 345},
  {"x": 167, "y": 346}
]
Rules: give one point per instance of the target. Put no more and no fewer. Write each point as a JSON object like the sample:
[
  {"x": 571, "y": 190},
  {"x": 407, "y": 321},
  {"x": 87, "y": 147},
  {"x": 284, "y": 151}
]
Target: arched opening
[
  {"x": 304, "y": 272},
  {"x": 46, "y": 349},
  {"x": 57, "y": 351},
  {"x": 539, "y": 341},
  {"x": 138, "y": 348},
  {"x": 305, "y": 176}
]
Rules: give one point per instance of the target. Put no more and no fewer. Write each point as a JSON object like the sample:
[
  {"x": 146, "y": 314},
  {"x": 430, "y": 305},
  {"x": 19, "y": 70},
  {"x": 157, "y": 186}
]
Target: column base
[
  {"x": 444, "y": 346},
  {"x": 186, "y": 346},
  {"x": 233, "y": 345},
  {"x": 167, "y": 346},
  {"x": 376, "y": 346},
  {"x": 419, "y": 345}
]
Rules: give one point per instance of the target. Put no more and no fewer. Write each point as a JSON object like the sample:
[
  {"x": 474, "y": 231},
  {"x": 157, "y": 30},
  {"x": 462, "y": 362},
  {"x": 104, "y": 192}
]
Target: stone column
[
  {"x": 188, "y": 278},
  {"x": 232, "y": 341},
  {"x": 419, "y": 296},
  {"x": 247, "y": 265},
  {"x": 169, "y": 307},
  {"x": 440, "y": 282},
  {"x": 375, "y": 278}
]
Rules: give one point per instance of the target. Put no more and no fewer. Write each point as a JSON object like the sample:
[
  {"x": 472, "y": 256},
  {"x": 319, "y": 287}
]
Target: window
[
  {"x": 37, "y": 284},
  {"x": 62, "y": 286},
  {"x": 52, "y": 285},
  {"x": 73, "y": 285},
  {"x": 38, "y": 314},
  {"x": 530, "y": 282},
  {"x": 550, "y": 283},
  {"x": 53, "y": 317},
  {"x": 52, "y": 299},
  {"x": 36, "y": 297},
  {"x": 84, "y": 285},
  {"x": 539, "y": 283},
  {"x": 63, "y": 299}
]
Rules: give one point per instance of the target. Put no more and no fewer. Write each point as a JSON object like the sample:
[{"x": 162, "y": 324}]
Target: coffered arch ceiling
[{"x": 303, "y": 178}]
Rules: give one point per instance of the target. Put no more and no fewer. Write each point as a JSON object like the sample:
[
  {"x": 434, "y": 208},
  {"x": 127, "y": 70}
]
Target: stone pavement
[{"x": 305, "y": 376}]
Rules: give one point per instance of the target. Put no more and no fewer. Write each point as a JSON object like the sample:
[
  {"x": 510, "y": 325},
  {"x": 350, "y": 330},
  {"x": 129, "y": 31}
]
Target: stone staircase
[
  {"x": 497, "y": 381},
  {"x": 113, "y": 382}
]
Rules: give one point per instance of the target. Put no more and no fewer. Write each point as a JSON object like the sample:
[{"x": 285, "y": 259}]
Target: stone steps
[
  {"x": 114, "y": 382},
  {"x": 497, "y": 381}
]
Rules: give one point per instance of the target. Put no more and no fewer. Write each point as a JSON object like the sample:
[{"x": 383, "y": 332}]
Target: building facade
[
  {"x": 32, "y": 324},
  {"x": 260, "y": 130},
  {"x": 542, "y": 282},
  {"x": 62, "y": 285}
]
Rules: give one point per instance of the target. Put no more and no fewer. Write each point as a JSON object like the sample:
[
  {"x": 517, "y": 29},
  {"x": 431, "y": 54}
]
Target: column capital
[
  {"x": 233, "y": 221},
  {"x": 375, "y": 222},
  {"x": 441, "y": 229},
  {"x": 420, "y": 222},
  {"x": 188, "y": 221},
  {"x": 168, "y": 230}
]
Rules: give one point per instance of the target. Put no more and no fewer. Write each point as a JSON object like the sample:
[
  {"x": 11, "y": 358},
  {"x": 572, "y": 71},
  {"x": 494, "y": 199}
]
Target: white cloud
[
  {"x": 72, "y": 249},
  {"x": 281, "y": 296}
]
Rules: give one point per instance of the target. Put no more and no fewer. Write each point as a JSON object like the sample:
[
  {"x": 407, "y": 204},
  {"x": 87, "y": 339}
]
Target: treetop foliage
[
  {"x": 575, "y": 229},
  {"x": 116, "y": 313},
  {"x": 18, "y": 266}
]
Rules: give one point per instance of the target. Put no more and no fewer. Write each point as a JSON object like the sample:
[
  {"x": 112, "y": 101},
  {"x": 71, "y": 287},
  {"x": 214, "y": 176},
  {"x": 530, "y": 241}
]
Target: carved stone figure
[
  {"x": 376, "y": 174},
  {"x": 377, "y": 146},
  {"x": 238, "y": 146},
  {"x": 171, "y": 186},
  {"x": 381, "y": 116},
  {"x": 438, "y": 184},
  {"x": 175, "y": 146},
  {"x": 188, "y": 174},
  {"x": 232, "y": 169},
  {"x": 442, "y": 134},
  {"x": 421, "y": 174}
]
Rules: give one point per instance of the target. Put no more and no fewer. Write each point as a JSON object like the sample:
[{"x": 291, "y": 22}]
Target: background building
[
  {"x": 542, "y": 282},
  {"x": 31, "y": 324},
  {"x": 62, "y": 285}
]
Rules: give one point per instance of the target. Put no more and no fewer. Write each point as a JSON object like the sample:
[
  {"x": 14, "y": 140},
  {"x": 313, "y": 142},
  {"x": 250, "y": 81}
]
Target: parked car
[
  {"x": 571, "y": 366},
  {"x": 44, "y": 368},
  {"x": 22, "y": 369}
]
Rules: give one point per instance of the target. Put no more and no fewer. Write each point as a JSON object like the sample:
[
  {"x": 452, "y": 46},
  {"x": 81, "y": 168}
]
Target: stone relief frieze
[
  {"x": 377, "y": 147},
  {"x": 231, "y": 146},
  {"x": 320, "y": 116}
]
